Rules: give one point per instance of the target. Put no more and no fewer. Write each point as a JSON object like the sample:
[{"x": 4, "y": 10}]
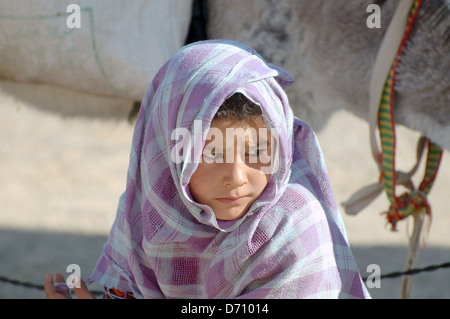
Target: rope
[{"x": 414, "y": 202}]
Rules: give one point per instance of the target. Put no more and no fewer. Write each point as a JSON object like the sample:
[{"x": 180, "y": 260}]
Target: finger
[
  {"x": 59, "y": 278},
  {"x": 61, "y": 286},
  {"x": 82, "y": 292},
  {"x": 50, "y": 289},
  {"x": 49, "y": 286}
]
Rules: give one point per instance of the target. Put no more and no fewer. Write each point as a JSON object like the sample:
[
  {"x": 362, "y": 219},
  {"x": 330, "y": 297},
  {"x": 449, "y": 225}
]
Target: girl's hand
[{"x": 59, "y": 289}]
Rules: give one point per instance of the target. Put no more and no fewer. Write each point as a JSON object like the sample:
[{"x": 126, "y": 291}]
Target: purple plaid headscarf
[{"x": 290, "y": 244}]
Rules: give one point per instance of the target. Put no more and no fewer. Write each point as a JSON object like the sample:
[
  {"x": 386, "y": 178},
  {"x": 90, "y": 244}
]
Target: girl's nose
[{"x": 235, "y": 174}]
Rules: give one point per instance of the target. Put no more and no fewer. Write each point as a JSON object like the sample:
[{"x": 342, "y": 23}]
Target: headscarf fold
[{"x": 291, "y": 243}]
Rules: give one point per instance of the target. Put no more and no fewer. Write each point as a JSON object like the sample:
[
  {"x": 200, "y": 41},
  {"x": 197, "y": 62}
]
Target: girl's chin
[{"x": 231, "y": 214}]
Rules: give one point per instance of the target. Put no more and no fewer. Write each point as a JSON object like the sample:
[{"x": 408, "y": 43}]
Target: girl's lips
[{"x": 231, "y": 200}]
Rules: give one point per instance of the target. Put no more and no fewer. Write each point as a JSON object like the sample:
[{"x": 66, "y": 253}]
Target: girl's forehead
[
  {"x": 253, "y": 121},
  {"x": 251, "y": 130}
]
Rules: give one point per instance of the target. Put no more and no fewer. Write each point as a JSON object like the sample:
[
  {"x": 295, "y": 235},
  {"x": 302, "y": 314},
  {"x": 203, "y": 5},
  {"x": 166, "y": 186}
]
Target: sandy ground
[{"x": 61, "y": 177}]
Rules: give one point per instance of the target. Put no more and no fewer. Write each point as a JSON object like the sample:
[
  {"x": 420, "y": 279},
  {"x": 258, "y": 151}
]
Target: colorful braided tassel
[{"x": 416, "y": 201}]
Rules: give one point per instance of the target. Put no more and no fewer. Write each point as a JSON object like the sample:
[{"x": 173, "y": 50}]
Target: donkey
[{"x": 331, "y": 51}]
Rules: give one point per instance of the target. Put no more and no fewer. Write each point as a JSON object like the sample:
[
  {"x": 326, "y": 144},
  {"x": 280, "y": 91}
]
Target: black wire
[
  {"x": 35, "y": 286},
  {"x": 21, "y": 283},
  {"x": 413, "y": 271}
]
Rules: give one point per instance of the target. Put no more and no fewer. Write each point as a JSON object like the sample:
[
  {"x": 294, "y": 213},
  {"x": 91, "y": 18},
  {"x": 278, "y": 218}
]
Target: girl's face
[{"x": 230, "y": 177}]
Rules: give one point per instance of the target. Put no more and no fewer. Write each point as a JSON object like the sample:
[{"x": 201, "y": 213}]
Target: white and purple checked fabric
[{"x": 290, "y": 244}]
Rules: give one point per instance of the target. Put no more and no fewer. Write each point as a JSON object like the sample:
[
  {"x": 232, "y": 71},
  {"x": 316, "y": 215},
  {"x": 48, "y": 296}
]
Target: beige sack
[{"x": 117, "y": 50}]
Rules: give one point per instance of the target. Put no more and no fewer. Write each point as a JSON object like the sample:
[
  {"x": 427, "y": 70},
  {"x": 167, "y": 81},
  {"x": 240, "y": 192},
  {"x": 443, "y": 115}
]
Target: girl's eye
[
  {"x": 212, "y": 155},
  {"x": 256, "y": 152}
]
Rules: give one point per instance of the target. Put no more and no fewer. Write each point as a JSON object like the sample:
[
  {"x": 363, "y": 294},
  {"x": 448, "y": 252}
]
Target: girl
[{"x": 213, "y": 211}]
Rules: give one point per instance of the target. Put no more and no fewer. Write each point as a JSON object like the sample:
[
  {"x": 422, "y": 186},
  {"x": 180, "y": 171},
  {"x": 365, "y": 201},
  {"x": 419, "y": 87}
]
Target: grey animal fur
[{"x": 329, "y": 49}]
